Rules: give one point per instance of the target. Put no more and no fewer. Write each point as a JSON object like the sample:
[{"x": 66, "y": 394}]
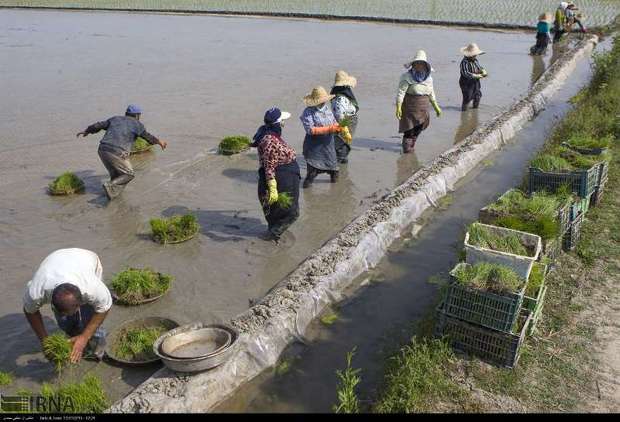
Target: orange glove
[{"x": 325, "y": 130}]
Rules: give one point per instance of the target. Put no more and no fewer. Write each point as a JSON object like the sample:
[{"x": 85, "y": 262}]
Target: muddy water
[
  {"x": 200, "y": 78},
  {"x": 597, "y": 12},
  {"x": 396, "y": 295}
]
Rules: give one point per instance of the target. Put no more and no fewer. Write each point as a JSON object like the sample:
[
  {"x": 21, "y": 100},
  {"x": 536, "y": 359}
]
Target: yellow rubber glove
[
  {"x": 437, "y": 108},
  {"x": 399, "y": 111},
  {"x": 272, "y": 188},
  {"x": 346, "y": 135}
]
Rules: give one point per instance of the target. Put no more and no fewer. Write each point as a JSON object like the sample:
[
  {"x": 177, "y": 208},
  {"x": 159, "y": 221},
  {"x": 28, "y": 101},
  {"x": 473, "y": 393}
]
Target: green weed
[
  {"x": 5, "y": 379},
  {"x": 348, "y": 380},
  {"x": 329, "y": 318}
]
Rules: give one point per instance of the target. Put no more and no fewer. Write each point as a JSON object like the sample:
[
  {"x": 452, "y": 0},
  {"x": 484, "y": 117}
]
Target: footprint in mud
[{"x": 268, "y": 248}]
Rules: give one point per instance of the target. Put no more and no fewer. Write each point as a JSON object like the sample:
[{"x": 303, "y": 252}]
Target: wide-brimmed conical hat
[
  {"x": 471, "y": 50},
  {"x": 344, "y": 79},
  {"x": 318, "y": 96}
]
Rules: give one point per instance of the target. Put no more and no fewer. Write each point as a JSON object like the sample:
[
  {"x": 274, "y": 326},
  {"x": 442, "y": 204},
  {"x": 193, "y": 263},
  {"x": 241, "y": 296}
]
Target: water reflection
[
  {"x": 406, "y": 165},
  {"x": 470, "y": 120},
  {"x": 538, "y": 67}
]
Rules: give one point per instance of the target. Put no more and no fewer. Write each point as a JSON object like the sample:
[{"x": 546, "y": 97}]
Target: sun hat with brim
[
  {"x": 318, "y": 96},
  {"x": 420, "y": 56},
  {"x": 344, "y": 79},
  {"x": 471, "y": 50},
  {"x": 545, "y": 17},
  {"x": 275, "y": 115}
]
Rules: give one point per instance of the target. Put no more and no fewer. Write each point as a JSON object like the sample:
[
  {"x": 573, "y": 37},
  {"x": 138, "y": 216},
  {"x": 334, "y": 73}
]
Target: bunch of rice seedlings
[
  {"x": 536, "y": 279},
  {"x": 137, "y": 344},
  {"x": 585, "y": 141},
  {"x": 490, "y": 277},
  {"x": 134, "y": 285},
  {"x": 234, "y": 144},
  {"x": 86, "y": 396},
  {"x": 66, "y": 184},
  {"x": 57, "y": 348},
  {"x": 551, "y": 163},
  {"x": 285, "y": 201},
  {"x": 346, "y": 122},
  {"x": 485, "y": 238},
  {"x": 140, "y": 145},
  {"x": 5, "y": 379},
  {"x": 174, "y": 229},
  {"x": 545, "y": 227}
]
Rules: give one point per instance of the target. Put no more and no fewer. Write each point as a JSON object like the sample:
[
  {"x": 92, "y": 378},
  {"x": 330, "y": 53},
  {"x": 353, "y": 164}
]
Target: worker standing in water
[
  {"x": 115, "y": 146},
  {"x": 415, "y": 94},
  {"x": 345, "y": 107},
  {"x": 471, "y": 73}
]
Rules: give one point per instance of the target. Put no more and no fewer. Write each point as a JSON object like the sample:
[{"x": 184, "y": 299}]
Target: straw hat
[
  {"x": 317, "y": 96},
  {"x": 420, "y": 56},
  {"x": 546, "y": 17},
  {"x": 471, "y": 50},
  {"x": 344, "y": 79}
]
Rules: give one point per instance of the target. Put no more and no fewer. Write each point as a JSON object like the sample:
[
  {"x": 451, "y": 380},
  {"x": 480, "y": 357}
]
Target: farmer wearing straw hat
[
  {"x": 278, "y": 173},
  {"x": 120, "y": 134},
  {"x": 471, "y": 73},
  {"x": 415, "y": 93},
  {"x": 320, "y": 126},
  {"x": 542, "y": 35},
  {"x": 344, "y": 106}
]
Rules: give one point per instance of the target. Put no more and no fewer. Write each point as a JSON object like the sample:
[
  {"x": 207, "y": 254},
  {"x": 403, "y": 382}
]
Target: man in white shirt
[{"x": 71, "y": 281}]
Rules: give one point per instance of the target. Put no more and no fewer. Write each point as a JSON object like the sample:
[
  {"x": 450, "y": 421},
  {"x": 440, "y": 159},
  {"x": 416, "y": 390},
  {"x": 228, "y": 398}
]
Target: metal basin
[
  {"x": 198, "y": 363},
  {"x": 198, "y": 343}
]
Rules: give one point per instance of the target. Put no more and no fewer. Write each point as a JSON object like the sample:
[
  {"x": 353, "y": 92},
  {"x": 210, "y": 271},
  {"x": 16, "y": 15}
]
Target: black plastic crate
[
  {"x": 595, "y": 199},
  {"x": 571, "y": 237},
  {"x": 581, "y": 182},
  {"x": 493, "y": 346},
  {"x": 603, "y": 173}
]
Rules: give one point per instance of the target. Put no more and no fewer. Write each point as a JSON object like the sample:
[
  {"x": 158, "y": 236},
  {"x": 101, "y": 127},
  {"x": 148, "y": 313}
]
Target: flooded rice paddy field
[
  {"x": 200, "y": 78},
  {"x": 524, "y": 12}
]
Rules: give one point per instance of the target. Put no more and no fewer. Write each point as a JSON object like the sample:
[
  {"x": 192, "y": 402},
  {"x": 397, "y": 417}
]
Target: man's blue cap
[{"x": 133, "y": 109}]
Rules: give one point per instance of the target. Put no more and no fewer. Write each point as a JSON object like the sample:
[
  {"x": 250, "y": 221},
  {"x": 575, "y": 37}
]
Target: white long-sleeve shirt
[{"x": 407, "y": 85}]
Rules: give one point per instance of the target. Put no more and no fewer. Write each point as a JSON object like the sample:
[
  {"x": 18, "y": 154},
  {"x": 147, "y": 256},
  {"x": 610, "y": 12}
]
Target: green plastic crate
[
  {"x": 496, "y": 347},
  {"x": 535, "y": 304},
  {"x": 581, "y": 182},
  {"x": 498, "y": 312}
]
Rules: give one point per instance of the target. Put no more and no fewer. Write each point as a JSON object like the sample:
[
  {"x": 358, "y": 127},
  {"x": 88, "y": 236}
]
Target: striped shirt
[{"x": 469, "y": 68}]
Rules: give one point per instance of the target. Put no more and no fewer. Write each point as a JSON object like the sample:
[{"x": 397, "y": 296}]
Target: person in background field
[
  {"x": 559, "y": 22},
  {"x": 573, "y": 18},
  {"x": 71, "y": 281},
  {"x": 278, "y": 173},
  {"x": 120, "y": 134},
  {"x": 471, "y": 73},
  {"x": 415, "y": 93},
  {"x": 320, "y": 126},
  {"x": 543, "y": 36},
  {"x": 345, "y": 106}
]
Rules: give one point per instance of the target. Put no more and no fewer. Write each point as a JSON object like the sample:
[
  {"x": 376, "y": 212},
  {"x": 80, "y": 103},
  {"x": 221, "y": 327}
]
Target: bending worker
[
  {"x": 70, "y": 280},
  {"x": 415, "y": 92},
  {"x": 278, "y": 173},
  {"x": 120, "y": 134}
]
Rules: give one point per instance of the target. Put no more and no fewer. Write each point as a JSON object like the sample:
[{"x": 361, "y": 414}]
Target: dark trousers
[
  {"x": 471, "y": 91},
  {"x": 118, "y": 165},
  {"x": 410, "y": 137},
  {"x": 342, "y": 149},
  {"x": 542, "y": 41},
  {"x": 287, "y": 177},
  {"x": 313, "y": 172}
]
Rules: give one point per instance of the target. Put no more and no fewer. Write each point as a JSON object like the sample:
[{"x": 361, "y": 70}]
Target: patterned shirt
[
  {"x": 469, "y": 68},
  {"x": 343, "y": 107},
  {"x": 317, "y": 117},
  {"x": 274, "y": 152}
]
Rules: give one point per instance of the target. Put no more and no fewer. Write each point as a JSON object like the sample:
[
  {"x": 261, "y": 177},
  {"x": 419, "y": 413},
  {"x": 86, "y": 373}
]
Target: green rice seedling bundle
[
  {"x": 174, "y": 229},
  {"x": 584, "y": 141},
  {"x": 86, "y": 396},
  {"x": 485, "y": 238},
  {"x": 66, "y": 184},
  {"x": 346, "y": 122},
  {"x": 537, "y": 277},
  {"x": 57, "y": 348},
  {"x": 137, "y": 344},
  {"x": 580, "y": 161},
  {"x": 234, "y": 144},
  {"x": 285, "y": 201},
  {"x": 140, "y": 145},
  {"x": 134, "y": 285},
  {"x": 551, "y": 163},
  {"x": 5, "y": 379},
  {"x": 545, "y": 227},
  {"x": 489, "y": 277}
]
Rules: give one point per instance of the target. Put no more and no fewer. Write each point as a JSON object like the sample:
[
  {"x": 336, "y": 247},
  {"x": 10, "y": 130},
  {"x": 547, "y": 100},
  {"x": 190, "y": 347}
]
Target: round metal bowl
[
  {"x": 198, "y": 343},
  {"x": 148, "y": 322},
  {"x": 199, "y": 363}
]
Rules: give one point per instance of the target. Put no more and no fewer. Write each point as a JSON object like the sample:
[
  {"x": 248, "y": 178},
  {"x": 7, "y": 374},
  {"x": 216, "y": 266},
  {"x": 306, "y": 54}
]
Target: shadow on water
[
  {"x": 248, "y": 176},
  {"x": 376, "y": 144}
]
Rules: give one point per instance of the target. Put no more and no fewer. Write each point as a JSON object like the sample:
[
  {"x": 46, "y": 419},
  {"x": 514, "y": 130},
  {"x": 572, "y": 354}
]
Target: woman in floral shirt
[
  {"x": 344, "y": 106},
  {"x": 278, "y": 173}
]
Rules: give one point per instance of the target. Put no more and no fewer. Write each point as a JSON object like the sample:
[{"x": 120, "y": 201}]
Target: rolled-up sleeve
[{"x": 32, "y": 301}]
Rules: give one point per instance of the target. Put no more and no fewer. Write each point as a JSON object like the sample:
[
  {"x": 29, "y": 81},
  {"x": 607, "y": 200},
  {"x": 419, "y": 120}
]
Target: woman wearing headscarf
[
  {"x": 471, "y": 73},
  {"x": 320, "y": 126},
  {"x": 415, "y": 94},
  {"x": 543, "y": 29},
  {"x": 344, "y": 106},
  {"x": 278, "y": 173}
]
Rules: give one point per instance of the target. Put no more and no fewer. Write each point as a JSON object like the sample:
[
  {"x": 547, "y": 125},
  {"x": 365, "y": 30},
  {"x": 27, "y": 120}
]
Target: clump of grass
[
  {"x": 234, "y": 144},
  {"x": 545, "y": 227},
  {"x": 86, "y": 396},
  {"x": 66, "y": 184},
  {"x": 585, "y": 141},
  {"x": 140, "y": 145},
  {"x": 137, "y": 344},
  {"x": 347, "y": 397},
  {"x": 490, "y": 277},
  {"x": 174, "y": 229},
  {"x": 135, "y": 285},
  {"x": 485, "y": 238},
  {"x": 329, "y": 318},
  {"x": 578, "y": 160},
  {"x": 285, "y": 201},
  {"x": 57, "y": 348},
  {"x": 551, "y": 163},
  {"x": 536, "y": 279},
  {"x": 5, "y": 379}
]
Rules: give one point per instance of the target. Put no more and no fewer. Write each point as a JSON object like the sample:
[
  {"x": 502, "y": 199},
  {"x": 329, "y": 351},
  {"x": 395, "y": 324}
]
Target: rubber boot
[
  {"x": 464, "y": 106},
  {"x": 333, "y": 176},
  {"x": 310, "y": 176},
  {"x": 408, "y": 145},
  {"x": 476, "y": 102}
]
